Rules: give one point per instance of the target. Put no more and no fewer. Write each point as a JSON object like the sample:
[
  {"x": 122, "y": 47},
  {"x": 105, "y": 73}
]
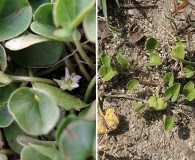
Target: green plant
[{"x": 40, "y": 114}]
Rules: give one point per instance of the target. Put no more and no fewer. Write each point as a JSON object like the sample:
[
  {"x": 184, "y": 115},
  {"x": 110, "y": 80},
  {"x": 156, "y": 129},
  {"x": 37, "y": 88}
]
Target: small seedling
[
  {"x": 189, "y": 91},
  {"x": 125, "y": 63},
  {"x": 152, "y": 44},
  {"x": 169, "y": 122},
  {"x": 131, "y": 85},
  {"x": 189, "y": 71},
  {"x": 154, "y": 60},
  {"x": 173, "y": 92},
  {"x": 169, "y": 78},
  {"x": 157, "y": 104}
]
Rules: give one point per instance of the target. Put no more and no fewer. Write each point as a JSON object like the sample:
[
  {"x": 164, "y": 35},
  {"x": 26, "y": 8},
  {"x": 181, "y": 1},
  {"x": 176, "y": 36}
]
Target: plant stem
[
  {"x": 87, "y": 47},
  {"x": 32, "y": 79},
  {"x": 82, "y": 52},
  {"x": 81, "y": 67},
  {"x": 89, "y": 89}
]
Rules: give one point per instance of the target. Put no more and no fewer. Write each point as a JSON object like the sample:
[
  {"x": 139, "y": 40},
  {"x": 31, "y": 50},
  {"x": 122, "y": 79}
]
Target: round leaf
[
  {"x": 89, "y": 25},
  {"x": 42, "y": 54},
  {"x": 5, "y": 117},
  {"x": 34, "y": 110},
  {"x": 154, "y": 60},
  {"x": 69, "y": 13},
  {"x": 3, "y": 59},
  {"x": 77, "y": 140},
  {"x": 25, "y": 40},
  {"x": 152, "y": 44},
  {"x": 35, "y": 4},
  {"x": 44, "y": 25},
  {"x": 15, "y": 17}
]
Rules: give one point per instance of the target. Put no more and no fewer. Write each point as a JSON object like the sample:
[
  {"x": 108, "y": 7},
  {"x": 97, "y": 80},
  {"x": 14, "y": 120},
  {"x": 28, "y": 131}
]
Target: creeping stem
[
  {"x": 82, "y": 52},
  {"x": 89, "y": 89}
]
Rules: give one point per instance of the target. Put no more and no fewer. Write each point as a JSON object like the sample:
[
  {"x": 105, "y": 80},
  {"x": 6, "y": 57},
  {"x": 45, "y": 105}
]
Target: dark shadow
[
  {"x": 183, "y": 132},
  {"x": 152, "y": 116},
  {"x": 122, "y": 128}
]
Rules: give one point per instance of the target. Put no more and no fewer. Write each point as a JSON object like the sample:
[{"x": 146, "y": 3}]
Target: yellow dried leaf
[{"x": 108, "y": 122}]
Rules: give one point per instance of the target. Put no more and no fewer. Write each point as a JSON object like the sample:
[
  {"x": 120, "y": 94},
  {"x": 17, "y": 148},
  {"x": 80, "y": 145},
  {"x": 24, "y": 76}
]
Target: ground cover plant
[
  {"x": 146, "y": 75},
  {"x": 47, "y": 79}
]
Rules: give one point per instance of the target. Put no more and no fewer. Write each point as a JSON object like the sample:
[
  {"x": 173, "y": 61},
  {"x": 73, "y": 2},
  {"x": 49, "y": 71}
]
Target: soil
[{"x": 142, "y": 136}]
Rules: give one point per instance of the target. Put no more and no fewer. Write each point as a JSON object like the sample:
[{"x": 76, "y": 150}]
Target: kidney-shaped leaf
[
  {"x": 25, "y": 40},
  {"x": 69, "y": 13},
  {"x": 43, "y": 23},
  {"x": 15, "y": 17},
  {"x": 89, "y": 25},
  {"x": 3, "y": 59},
  {"x": 152, "y": 44},
  {"x": 154, "y": 60},
  {"x": 34, "y": 110},
  {"x": 41, "y": 54},
  {"x": 62, "y": 98},
  {"x": 169, "y": 78},
  {"x": 189, "y": 91},
  {"x": 77, "y": 140}
]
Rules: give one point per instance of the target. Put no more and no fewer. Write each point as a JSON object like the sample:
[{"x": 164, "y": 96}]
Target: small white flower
[{"x": 69, "y": 82}]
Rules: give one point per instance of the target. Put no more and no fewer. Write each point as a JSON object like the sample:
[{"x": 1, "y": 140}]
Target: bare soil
[{"x": 142, "y": 136}]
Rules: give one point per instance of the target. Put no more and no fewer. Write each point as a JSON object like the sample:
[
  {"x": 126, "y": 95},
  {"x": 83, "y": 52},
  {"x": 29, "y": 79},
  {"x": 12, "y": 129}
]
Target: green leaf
[
  {"x": 107, "y": 72},
  {"x": 63, "y": 99},
  {"x": 104, "y": 9},
  {"x": 138, "y": 106},
  {"x": 169, "y": 122},
  {"x": 5, "y": 117},
  {"x": 89, "y": 113},
  {"x": 11, "y": 133},
  {"x": 152, "y": 44},
  {"x": 34, "y": 110},
  {"x": 178, "y": 51},
  {"x": 106, "y": 60},
  {"x": 26, "y": 140},
  {"x": 42, "y": 54},
  {"x": 35, "y": 4},
  {"x": 189, "y": 71},
  {"x": 157, "y": 104},
  {"x": 173, "y": 91},
  {"x": 63, "y": 124},
  {"x": 4, "y": 79},
  {"x": 77, "y": 140},
  {"x": 3, "y": 59},
  {"x": 154, "y": 60},
  {"x": 70, "y": 13},
  {"x": 123, "y": 61},
  {"x": 169, "y": 78},
  {"x": 184, "y": 61},
  {"x": 131, "y": 85},
  {"x": 14, "y": 18},
  {"x": 25, "y": 40},
  {"x": 43, "y": 24},
  {"x": 28, "y": 153},
  {"x": 89, "y": 25},
  {"x": 5, "y": 93},
  {"x": 189, "y": 91},
  {"x": 50, "y": 152}
]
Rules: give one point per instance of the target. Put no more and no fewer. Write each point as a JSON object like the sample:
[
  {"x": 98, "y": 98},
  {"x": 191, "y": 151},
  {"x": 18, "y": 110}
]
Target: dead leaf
[
  {"x": 108, "y": 122},
  {"x": 135, "y": 33}
]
